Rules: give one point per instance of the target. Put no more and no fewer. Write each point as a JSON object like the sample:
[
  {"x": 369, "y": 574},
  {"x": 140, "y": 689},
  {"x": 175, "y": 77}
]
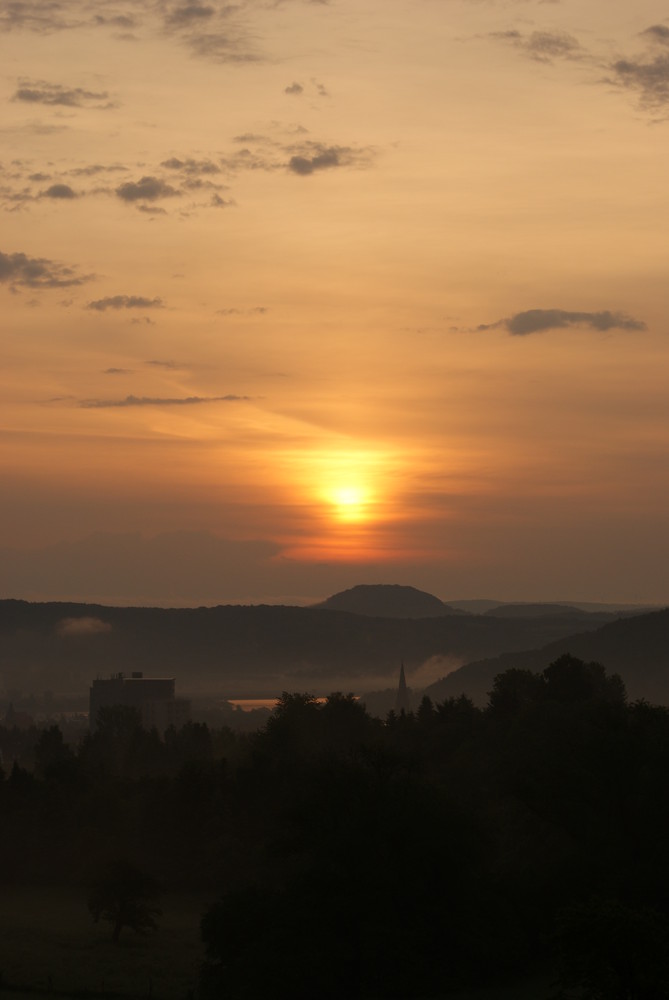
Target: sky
[{"x": 301, "y": 294}]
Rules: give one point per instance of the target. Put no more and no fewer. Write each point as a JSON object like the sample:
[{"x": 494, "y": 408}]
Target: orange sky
[{"x": 297, "y": 295}]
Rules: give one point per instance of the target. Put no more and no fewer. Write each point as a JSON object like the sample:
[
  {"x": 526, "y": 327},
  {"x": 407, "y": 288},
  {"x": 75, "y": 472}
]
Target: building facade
[{"x": 153, "y": 697}]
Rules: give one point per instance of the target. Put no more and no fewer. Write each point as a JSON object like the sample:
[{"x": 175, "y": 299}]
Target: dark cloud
[
  {"x": 192, "y": 167},
  {"x": 43, "y": 16},
  {"x": 117, "y": 371},
  {"x": 59, "y": 191},
  {"x": 99, "y": 404},
  {"x": 648, "y": 77},
  {"x": 48, "y": 16},
  {"x": 95, "y": 168},
  {"x": 18, "y": 270},
  {"x": 222, "y": 47},
  {"x": 125, "y": 302},
  {"x": 188, "y": 14},
  {"x": 255, "y": 310},
  {"x": 218, "y": 202},
  {"x": 310, "y": 157},
  {"x": 151, "y": 210},
  {"x": 157, "y": 363},
  {"x": 146, "y": 189},
  {"x": 539, "y": 320},
  {"x": 543, "y": 46},
  {"x": 57, "y": 95},
  {"x": 657, "y": 33},
  {"x": 117, "y": 21},
  {"x": 321, "y": 160},
  {"x": 294, "y": 88}
]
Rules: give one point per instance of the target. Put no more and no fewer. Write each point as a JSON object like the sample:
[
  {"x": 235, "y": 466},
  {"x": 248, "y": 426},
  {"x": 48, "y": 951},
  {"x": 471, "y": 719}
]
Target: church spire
[{"x": 402, "y": 701}]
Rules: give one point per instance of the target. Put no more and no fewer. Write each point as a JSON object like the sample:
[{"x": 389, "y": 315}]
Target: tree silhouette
[{"x": 126, "y": 897}]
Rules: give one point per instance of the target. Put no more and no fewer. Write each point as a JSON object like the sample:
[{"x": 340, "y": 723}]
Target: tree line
[{"x": 359, "y": 857}]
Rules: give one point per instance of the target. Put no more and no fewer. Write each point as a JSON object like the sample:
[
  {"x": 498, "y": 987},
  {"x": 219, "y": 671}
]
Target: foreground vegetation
[{"x": 433, "y": 854}]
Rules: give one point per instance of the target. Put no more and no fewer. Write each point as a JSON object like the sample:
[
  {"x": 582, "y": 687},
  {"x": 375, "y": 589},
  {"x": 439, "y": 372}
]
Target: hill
[
  {"x": 238, "y": 651},
  {"x": 388, "y": 601},
  {"x": 637, "y": 648}
]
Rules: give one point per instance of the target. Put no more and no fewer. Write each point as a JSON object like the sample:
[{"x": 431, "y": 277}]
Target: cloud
[
  {"x": 40, "y": 16},
  {"x": 62, "y": 191},
  {"x": 657, "y": 33},
  {"x": 190, "y": 166},
  {"x": 539, "y": 320},
  {"x": 649, "y": 78},
  {"x": 67, "y": 627},
  {"x": 117, "y": 21},
  {"x": 125, "y": 302},
  {"x": 145, "y": 189},
  {"x": 55, "y": 94},
  {"x": 254, "y": 310},
  {"x": 117, "y": 371},
  {"x": 320, "y": 161},
  {"x": 543, "y": 46},
  {"x": 95, "y": 168},
  {"x": 188, "y": 14},
  {"x": 310, "y": 157},
  {"x": 294, "y": 88},
  {"x": 99, "y": 404},
  {"x": 222, "y": 47},
  {"x": 157, "y": 363},
  {"x": 218, "y": 202},
  {"x": 19, "y": 270}
]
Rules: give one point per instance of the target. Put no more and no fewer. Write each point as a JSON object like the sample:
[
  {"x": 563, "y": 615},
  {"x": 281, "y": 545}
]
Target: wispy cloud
[
  {"x": 542, "y": 46},
  {"x": 184, "y": 15},
  {"x": 647, "y": 76},
  {"x": 191, "y": 166},
  {"x": 100, "y": 404},
  {"x": 539, "y": 320},
  {"x": 253, "y": 311},
  {"x": 125, "y": 302},
  {"x": 56, "y": 95}
]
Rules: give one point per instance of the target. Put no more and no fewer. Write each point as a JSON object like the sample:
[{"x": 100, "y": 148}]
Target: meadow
[{"x": 51, "y": 943}]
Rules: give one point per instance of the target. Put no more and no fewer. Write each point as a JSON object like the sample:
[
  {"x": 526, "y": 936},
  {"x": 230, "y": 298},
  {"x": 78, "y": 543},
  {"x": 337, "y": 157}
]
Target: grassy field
[{"x": 49, "y": 941}]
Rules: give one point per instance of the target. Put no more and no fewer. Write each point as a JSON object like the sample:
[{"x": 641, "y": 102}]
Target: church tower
[{"x": 402, "y": 701}]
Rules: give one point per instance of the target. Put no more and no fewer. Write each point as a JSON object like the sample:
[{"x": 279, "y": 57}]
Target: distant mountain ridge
[
  {"x": 388, "y": 600},
  {"x": 248, "y": 651}
]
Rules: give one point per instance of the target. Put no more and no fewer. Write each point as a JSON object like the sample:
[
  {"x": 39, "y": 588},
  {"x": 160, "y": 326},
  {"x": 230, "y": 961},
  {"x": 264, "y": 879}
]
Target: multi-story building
[{"x": 153, "y": 697}]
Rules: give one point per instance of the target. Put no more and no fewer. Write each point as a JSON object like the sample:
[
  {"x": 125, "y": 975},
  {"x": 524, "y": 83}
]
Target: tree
[
  {"x": 514, "y": 691},
  {"x": 570, "y": 681},
  {"x": 609, "y": 951},
  {"x": 126, "y": 897}
]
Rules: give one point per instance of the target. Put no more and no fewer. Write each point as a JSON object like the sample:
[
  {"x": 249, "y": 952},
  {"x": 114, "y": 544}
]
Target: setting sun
[{"x": 351, "y": 503}]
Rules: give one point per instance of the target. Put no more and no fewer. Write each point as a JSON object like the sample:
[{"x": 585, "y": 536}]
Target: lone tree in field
[{"x": 126, "y": 897}]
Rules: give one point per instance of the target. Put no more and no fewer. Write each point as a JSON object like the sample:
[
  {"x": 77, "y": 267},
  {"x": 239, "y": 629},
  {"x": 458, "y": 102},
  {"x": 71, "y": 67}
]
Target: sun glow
[{"x": 351, "y": 503}]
